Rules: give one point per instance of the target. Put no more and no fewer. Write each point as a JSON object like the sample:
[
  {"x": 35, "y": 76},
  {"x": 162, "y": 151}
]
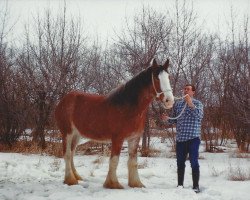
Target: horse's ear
[
  {"x": 154, "y": 63},
  {"x": 166, "y": 65}
]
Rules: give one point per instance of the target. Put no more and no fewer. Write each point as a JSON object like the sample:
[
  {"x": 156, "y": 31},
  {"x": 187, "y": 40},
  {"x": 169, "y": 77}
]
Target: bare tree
[
  {"x": 104, "y": 72},
  {"x": 12, "y": 96},
  {"x": 238, "y": 93},
  {"x": 230, "y": 89},
  {"x": 139, "y": 44},
  {"x": 50, "y": 62}
]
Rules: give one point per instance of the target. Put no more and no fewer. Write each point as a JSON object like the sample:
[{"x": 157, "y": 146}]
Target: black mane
[{"x": 129, "y": 92}]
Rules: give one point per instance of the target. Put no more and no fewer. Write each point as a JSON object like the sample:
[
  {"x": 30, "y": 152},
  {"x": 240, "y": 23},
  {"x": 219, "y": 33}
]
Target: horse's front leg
[
  {"x": 111, "y": 179},
  {"x": 133, "y": 176}
]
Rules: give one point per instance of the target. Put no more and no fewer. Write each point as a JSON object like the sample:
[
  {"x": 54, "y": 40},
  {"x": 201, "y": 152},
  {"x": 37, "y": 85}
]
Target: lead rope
[
  {"x": 173, "y": 118},
  {"x": 159, "y": 93}
]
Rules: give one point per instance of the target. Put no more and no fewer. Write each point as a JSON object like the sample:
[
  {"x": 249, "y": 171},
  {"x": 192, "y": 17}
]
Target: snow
[{"x": 39, "y": 177}]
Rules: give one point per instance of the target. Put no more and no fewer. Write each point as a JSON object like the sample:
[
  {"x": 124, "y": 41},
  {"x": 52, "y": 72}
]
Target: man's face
[{"x": 188, "y": 90}]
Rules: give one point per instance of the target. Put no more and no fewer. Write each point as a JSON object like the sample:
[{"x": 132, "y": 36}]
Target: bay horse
[{"x": 115, "y": 117}]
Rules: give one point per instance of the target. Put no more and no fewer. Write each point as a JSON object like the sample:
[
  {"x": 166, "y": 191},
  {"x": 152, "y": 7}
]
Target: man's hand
[
  {"x": 164, "y": 117},
  {"x": 189, "y": 101}
]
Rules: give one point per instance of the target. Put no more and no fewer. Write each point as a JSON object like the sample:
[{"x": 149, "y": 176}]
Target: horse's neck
[
  {"x": 146, "y": 99},
  {"x": 137, "y": 93}
]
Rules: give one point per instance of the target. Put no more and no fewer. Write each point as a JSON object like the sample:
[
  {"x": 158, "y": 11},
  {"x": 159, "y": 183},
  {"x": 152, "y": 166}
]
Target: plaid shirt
[{"x": 188, "y": 125}]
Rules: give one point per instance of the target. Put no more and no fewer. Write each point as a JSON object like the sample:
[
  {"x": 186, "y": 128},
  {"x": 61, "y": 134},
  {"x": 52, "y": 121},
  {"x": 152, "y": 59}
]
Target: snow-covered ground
[{"x": 39, "y": 177}]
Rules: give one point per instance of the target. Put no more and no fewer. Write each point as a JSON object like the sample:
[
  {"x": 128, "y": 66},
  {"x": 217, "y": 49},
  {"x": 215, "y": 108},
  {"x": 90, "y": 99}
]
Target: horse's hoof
[
  {"x": 71, "y": 181},
  {"x": 113, "y": 185},
  {"x": 79, "y": 178},
  {"x": 136, "y": 185}
]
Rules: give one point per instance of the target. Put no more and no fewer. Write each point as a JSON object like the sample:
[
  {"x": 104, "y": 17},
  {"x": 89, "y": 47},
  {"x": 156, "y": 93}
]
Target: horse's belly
[
  {"x": 94, "y": 132},
  {"x": 105, "y": 128}
]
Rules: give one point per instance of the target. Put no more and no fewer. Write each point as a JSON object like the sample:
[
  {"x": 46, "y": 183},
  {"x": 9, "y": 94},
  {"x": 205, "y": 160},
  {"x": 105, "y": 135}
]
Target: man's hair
[{"x": 193, "y": 87}]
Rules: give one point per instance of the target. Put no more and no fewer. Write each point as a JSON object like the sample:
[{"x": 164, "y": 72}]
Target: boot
[
  {"x": 196, "y": 177},
  {"x": 180, "y": 173}
]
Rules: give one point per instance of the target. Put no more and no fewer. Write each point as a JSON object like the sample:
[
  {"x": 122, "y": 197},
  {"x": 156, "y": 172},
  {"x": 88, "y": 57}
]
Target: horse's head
[{"x": 161, "y": 83}]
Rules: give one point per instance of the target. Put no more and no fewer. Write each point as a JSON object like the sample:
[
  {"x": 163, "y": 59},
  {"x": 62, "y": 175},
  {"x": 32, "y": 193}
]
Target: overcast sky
[{"x": 102, "y": 17}]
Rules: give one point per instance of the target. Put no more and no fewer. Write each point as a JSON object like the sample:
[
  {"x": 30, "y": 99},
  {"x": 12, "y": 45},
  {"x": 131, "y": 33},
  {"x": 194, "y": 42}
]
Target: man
[{"x": 188, "y": 130}]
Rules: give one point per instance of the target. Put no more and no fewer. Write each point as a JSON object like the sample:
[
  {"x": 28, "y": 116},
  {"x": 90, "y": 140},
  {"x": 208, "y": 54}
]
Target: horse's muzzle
[{"x": 168, "y": 103}]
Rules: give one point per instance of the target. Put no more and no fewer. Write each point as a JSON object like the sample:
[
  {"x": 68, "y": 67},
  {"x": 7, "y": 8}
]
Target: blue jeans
[{"x": 190, "y": 147}]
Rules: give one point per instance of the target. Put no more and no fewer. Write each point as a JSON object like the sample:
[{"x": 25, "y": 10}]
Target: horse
[{"x": 120, "y": 115}]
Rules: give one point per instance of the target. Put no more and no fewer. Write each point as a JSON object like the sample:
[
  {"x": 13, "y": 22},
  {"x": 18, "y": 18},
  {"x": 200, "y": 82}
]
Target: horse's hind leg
[
  {"x": 111, "y": 179},
  {"x": 69, "y": 178},
  {"x": 75, "y": 140},
  {"x": 133, "y": 176}
]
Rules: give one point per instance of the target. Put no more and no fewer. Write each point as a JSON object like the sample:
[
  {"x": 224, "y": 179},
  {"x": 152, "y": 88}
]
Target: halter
[{"x": 158, "y": 93}]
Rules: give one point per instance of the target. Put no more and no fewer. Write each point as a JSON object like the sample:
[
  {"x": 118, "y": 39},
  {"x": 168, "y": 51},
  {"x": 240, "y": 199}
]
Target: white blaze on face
[{"x": 166, "y": 89}]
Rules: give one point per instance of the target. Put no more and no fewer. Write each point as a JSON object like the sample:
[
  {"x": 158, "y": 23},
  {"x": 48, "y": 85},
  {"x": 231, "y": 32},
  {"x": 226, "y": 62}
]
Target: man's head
[{"x": 189, "y": 89}]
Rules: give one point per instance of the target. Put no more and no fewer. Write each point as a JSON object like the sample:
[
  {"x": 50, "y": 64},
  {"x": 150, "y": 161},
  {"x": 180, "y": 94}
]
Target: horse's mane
[{"x": 129, "y": 92}]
